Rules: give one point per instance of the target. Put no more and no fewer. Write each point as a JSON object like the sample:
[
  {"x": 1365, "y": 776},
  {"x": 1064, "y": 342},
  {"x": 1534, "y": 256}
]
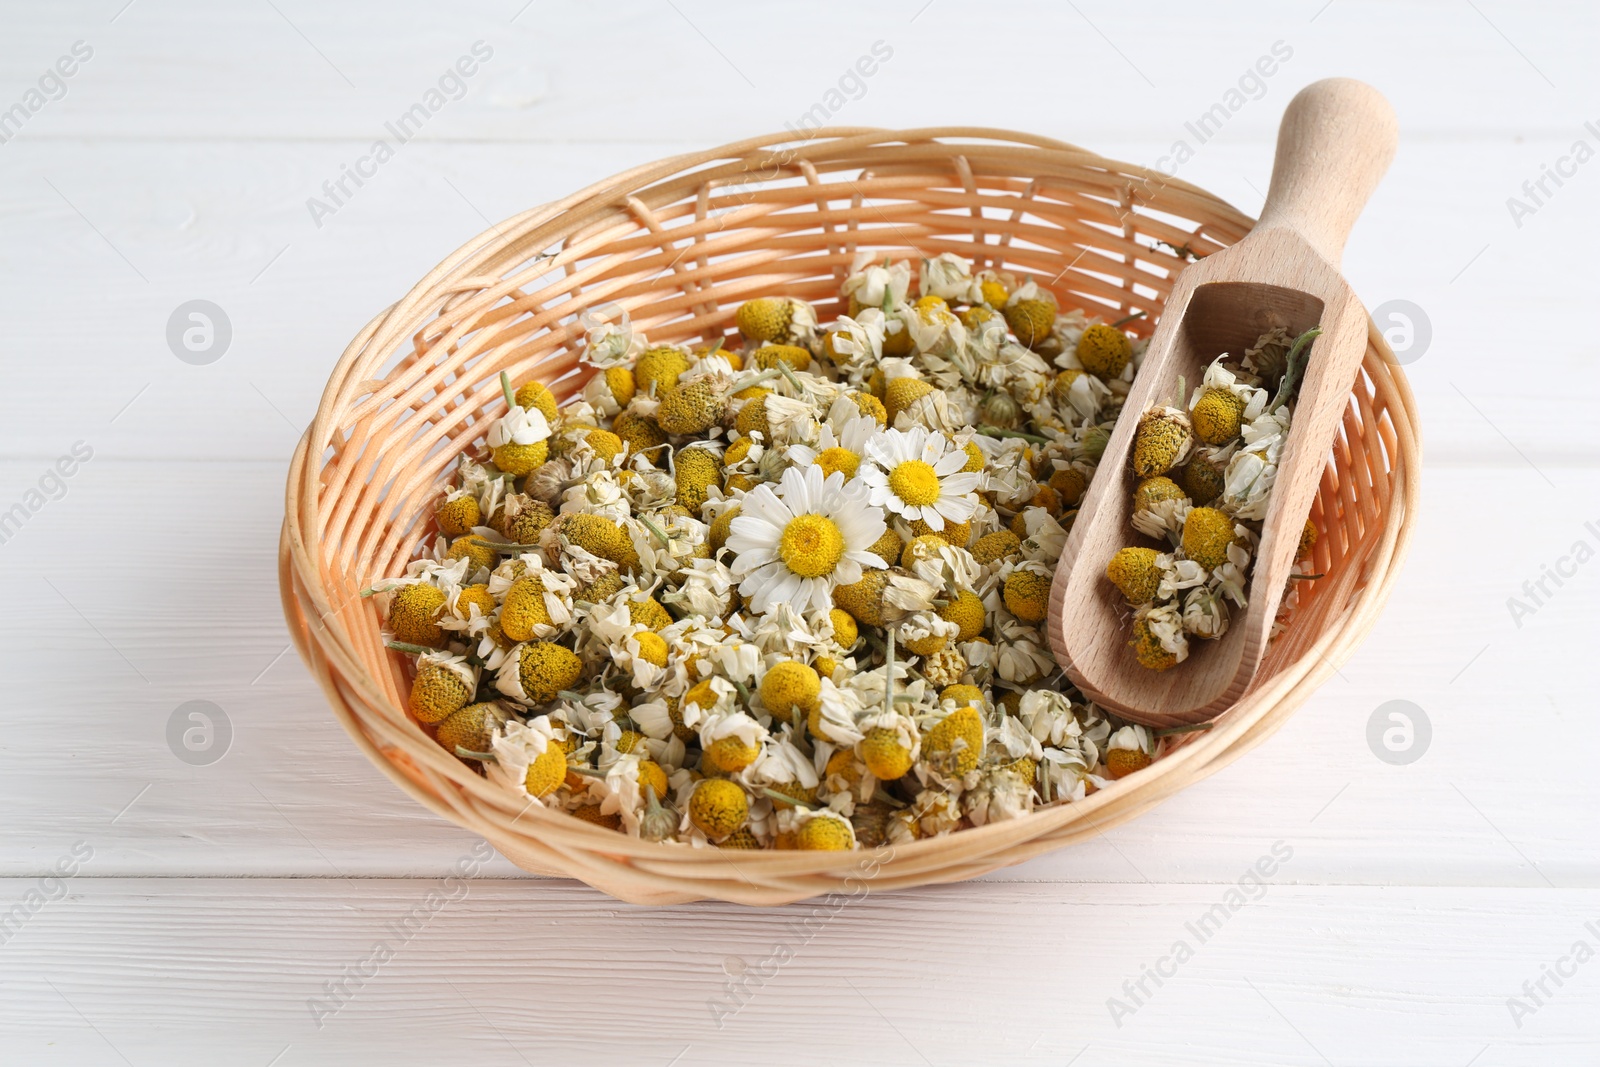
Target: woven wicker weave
[{"x": 680, "y": 243}]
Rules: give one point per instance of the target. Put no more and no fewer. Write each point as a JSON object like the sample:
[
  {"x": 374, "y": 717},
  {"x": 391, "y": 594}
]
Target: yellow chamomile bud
[
  {"x": 649, "y": 612},
  {"x": 1031, "y": 321},
  {"x": 1202, "y": 480},
  {"x": 826, "y": 831},
  {"x": 790, "y": 690},
  {"x": 438, "y": 691},
  {"x": 641, "y": 434},
  {"x": 966, "y": 611},
  {"x": 537, "y": 395},
  {"x": 871, "y": 406},
  {"x": 845, "y": 631},
  {"x": 1070, "y": 483},
  {"x": 996, "y": 546},
  {"x": 1153, "y": 491},
  {"x": 718, "y": 807},
  {"x": 954, "y": 533},
  {"x": 471, "y": 728},
  {"x": 765, "y": 318},
  {"x": 601, "y": 536},
  {"x": 901, "y": 393},
  {"x": 1027, "y": 595},
  {"x": 1216, "y": 416},
  {"x": 1135, "y": 574},
  {"x": 659, "y": 369},
  {"x": 620, "y": 381},
  {"x": 547, "y": 771},
  {"x": 1161, "y": 442},
  {"x": 962, "y": 694},
  {"x": 722, "y": 527},
  {"x": 473, "y": 548},
  {"x": 1147, "y": 647},
  {"x": 768, "y": 357},
  {"x": 888, "y": 547},
  {"x": 524, "y": 608},
  {"x": 697, "y": 470},
  {"x": 546, "y": 669},
  {"x": 692, "y": 408},
  {"x": 752, "y": 417},
  {"x": 952, "y": 747},
  {"x": 885, "y": 754},
  {"x": 414, "y": 613},
  {"x": 1104, "y": 350},
  {"x": 457, "y": 514},
  {"x": 652, "y": 649},
  {"x": 1207, "y": 533}
]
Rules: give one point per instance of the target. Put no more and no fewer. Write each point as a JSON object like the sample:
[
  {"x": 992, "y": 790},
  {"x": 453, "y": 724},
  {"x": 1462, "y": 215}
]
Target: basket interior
[{"x": 679, "y": 245}]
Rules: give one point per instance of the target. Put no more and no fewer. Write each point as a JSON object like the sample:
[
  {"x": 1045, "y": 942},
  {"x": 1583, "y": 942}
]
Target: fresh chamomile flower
[
  {"x": 796, "y": 544},
  {"x": 838, "y": 450},
  {"x": 920, "y": 475}
]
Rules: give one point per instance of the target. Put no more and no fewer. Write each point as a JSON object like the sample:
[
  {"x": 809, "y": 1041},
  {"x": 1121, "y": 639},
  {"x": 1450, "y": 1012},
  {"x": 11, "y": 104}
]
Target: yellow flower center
[
  {"x": 838, "y": 459},
  {"x": 811, "y": 546},
  {"x": 915, "y": 482}
]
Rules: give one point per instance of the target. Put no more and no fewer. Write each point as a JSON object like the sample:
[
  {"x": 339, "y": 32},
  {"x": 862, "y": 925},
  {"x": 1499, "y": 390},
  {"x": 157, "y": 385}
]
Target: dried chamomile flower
[
  {"x": 1130, "y": 749},
  {"x": 443, "y": 685},
  {"x": 519, "y": 440},
  {"x": 718, "y": 807},
  {"x": 414, "y": 614},
  {"x": 1104, "y": 350},
  {"x": 1162, "y": 441},
  {"x": 1207, "y": 533}
]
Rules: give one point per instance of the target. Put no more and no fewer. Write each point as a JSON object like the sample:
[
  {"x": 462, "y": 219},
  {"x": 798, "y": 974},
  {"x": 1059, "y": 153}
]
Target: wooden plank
[{"x": 493, "y": 972}]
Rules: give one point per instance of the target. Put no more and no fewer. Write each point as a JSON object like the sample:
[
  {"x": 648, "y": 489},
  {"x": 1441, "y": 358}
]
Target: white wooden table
[{"x": 232, "y": 911}]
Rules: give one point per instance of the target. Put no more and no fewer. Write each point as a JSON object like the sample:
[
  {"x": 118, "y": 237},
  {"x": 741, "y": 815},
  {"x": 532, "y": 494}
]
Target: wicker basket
[{"x": 680, "y": 243}]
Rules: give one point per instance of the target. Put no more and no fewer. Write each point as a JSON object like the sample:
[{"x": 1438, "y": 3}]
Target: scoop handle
[{"x": 1337, "y": 138}]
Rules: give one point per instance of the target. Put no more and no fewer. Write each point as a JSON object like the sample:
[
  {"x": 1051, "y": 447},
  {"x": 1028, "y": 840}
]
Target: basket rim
[{"x": 1265, "y": 708}]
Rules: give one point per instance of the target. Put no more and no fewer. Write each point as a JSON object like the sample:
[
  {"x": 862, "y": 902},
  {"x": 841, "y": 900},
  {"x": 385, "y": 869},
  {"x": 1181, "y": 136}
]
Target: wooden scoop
[{"x": 1335, "y": 143}]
